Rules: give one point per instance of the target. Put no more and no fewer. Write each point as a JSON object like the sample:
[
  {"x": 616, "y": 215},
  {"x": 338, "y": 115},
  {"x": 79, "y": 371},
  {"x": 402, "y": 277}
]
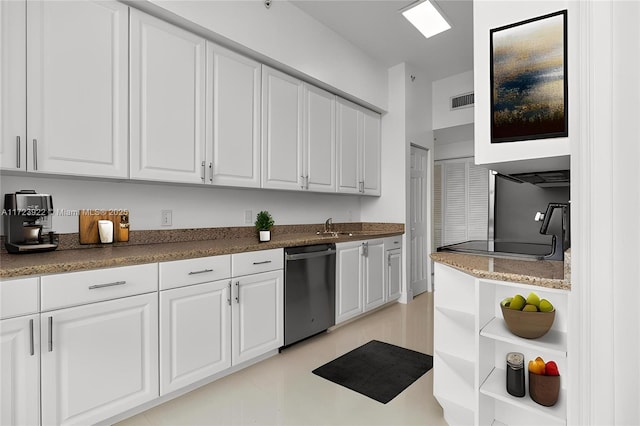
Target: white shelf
[
  {"x": 465, "y": 319},
  {"x": 495, "y": 387},
  {"x": 463, "y": 366},
  {"x": 554, "y": 341}
]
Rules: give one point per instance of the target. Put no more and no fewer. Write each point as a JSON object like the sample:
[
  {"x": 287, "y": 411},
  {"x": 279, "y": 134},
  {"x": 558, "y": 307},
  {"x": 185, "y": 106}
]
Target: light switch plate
[{"x": 166, "y": 217}]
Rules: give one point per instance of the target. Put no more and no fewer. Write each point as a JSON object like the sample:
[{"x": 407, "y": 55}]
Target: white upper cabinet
[
  {"x": 319, "y": 140},
  {"x": 167, "y": 101},
  {"x": 77, "y": 80},
  {"x": 348, "y": 135},
  {"x": 13, "y": 107},
  {"x": 233, "y": 118},
  {"x": 358, "y": 145},
  {"x": 282, "y": 120},
  {"x": 371, "y": 140}
]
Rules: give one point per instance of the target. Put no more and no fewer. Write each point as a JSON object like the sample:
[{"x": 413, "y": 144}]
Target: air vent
[{"x": 462, "y": 101}]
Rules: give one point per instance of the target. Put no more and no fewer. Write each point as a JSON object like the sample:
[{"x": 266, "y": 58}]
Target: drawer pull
[
  {"x": 229, "y": 298},
  {"x": 50, "y": 334},
  {"x": 93, "y": 287},
  {"x": 262, "y": 263},
  {"x": 31, "y": 335},
  {"x": 200, "y": 272},
  {"x": 237, "y": 291}
]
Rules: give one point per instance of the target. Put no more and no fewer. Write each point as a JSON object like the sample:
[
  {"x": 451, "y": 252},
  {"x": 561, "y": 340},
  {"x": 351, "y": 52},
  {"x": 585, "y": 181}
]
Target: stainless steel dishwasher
[{"x": 309, "y": 291}]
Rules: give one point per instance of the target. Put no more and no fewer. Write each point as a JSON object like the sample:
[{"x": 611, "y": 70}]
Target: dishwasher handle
[{"x": 311, "y": 255}]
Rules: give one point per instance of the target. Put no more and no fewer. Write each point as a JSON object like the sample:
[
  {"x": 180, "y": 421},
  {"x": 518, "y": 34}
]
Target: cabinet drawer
[
  {"x": 77, "y": 288},
  {"x": 18, "y": 297},
  {"x": 181, "y": 273},
  {"x": 256, "y": 261},
  {"x": 393, "y": 242}
]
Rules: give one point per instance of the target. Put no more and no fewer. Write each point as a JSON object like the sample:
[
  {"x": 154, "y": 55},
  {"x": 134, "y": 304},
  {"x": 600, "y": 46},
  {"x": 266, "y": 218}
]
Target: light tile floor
[{"x": 282, "y": 390}]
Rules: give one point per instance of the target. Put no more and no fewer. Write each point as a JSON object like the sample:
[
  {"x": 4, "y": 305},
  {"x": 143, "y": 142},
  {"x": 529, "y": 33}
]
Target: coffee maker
[{"x": 23, "y": 214}]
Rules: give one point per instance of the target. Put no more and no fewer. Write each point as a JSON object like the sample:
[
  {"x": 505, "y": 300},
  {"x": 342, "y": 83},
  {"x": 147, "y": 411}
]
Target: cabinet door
[
  {"x": 20, "y": 371},
  {"x": 282, "y": 106},
  {"x": 394, "y": 274},
  {"x": 13, "y": 85},
  {"x": 77, "y": 82},
  {"x": 349, "y": 121},
  {"x": 370, "y": 168},
  {"x": 374, "y": 291},
  {"x": 319, "y": 140},
  {"x": 257, "y": 315},
  {"x": 99, "y": 360},
  {"x": 348, "y": 282},
  {"x": 195, "y": 333},
  {"x": 167, "y": 101},
  {"x": 233, "y": 118}
]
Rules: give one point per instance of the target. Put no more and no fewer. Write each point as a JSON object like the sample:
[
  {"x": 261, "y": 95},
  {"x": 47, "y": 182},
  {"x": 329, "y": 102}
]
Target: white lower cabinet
[
  {"x": 360, "y": 278},
  {"x": 195, "y": 333},
  {"x": 257, "y": 315},
  {"x": 471, "y": 342},
  {"x": 99, "y": 359},
  {"x": 394, "y": 273},
  {"x": 207, "y": 327},
  {"x": 20, "y": 370},
  {"x": 19, "y": 352}
]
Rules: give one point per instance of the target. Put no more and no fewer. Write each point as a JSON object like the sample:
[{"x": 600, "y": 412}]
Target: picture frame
[{"x": 528, "y": 73}]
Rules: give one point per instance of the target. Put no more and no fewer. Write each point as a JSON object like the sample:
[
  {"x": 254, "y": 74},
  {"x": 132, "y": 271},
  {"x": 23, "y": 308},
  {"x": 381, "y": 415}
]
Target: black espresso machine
[{"x": 23, "y": 212}]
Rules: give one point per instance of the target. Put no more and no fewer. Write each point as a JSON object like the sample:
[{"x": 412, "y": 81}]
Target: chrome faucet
[
  {"x": 559, "y": 242},
  {"x": 328, "y": 225}
]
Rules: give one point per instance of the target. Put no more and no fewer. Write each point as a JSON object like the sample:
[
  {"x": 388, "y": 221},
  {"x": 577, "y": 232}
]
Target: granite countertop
[
  {"x": 106, "y": 256},
  {"x": 543, "y": 273}
]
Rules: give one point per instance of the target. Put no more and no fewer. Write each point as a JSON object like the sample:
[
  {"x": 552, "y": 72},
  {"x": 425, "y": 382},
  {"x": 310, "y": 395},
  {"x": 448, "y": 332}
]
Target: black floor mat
[{"x": 378, "y": 370}]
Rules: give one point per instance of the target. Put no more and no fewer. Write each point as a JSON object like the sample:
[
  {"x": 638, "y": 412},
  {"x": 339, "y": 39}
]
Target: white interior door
[{"x": 420, "y": 265}]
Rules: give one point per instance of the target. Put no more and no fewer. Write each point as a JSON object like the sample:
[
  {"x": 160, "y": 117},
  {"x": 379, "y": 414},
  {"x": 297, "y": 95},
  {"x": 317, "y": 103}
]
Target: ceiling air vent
[{"x": 462, "y": 101}]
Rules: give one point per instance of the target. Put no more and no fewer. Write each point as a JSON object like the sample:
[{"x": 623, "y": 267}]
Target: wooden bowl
[
  {"x": 544, "y": 389},
  {"x": 529, "y": 325}
]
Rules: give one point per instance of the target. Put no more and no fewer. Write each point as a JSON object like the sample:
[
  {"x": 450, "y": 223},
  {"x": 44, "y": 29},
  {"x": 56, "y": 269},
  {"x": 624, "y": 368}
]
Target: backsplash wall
[
  {"x": 516, "y": 206},
  {"x": 192, "y": 206}
]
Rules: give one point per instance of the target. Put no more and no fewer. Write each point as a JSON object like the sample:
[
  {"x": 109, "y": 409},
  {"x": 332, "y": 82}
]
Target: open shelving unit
[{"x": 471, "y": 341}]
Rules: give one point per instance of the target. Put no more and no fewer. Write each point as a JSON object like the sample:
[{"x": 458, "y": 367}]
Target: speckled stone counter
[
  {"x": 106, "y": 256},
  {"x": 543, "y": 273}
]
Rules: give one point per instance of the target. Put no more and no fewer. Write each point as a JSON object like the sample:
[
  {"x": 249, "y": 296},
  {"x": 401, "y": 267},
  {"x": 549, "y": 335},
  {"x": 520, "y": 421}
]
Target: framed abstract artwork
[{"x": 529, "y": 79}]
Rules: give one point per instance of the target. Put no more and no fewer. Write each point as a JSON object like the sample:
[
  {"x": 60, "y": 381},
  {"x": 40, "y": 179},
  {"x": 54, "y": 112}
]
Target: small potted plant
[{"x": 264, "y": 223}]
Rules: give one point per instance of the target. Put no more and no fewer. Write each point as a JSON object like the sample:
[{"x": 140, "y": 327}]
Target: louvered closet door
[
  {"x": 455, "y": 203},
  {"x": 478, "y": 202},
  {"x": 464, "y": 194},
  {"x": 437, "y": 206}
]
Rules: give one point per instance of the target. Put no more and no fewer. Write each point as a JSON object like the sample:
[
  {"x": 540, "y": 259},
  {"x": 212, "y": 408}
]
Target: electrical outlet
[
  {"x": 166, "y": 217},
  {"x": 248, "y": 217}
]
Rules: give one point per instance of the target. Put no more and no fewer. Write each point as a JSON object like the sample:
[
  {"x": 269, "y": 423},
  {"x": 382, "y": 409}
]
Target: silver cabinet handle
[
  {"x": 307, "y": 181},
  {"x": 200, "y": 272},
  {"x": 237, "y": 291},
  {"x": 35, "y": 154},
  {"x": 262, "y": 263},
  {"x": 302, "y": 184},
  {"x": 229, "y": 294},
  {"x": 50, "y": 334},
  {"x": 93, "y": 287},
  {"x": 211, "y": 172},
  {"x": 203, "y": 166},
  {"x": 18, "y": 151},
  {"x": 31, "y": 335}
]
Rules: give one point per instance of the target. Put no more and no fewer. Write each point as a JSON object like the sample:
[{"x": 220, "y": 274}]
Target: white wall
[
  {"x": 193, "y": 206},
  {"x": 488, "y": 15},
  {"x": 290, "y": 37},
  {"x": 443, "y": 90},
  {"x": 453, "y": 142}
]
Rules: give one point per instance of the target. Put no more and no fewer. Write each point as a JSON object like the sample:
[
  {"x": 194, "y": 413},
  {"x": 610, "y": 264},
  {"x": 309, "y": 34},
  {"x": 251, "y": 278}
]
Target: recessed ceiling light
[{"x": 426, "y": 17}]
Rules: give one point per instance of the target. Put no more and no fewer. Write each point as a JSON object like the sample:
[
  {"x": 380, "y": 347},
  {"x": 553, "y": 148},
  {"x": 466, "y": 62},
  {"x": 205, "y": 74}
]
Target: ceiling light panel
[{"x": 427, "y": 18}]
